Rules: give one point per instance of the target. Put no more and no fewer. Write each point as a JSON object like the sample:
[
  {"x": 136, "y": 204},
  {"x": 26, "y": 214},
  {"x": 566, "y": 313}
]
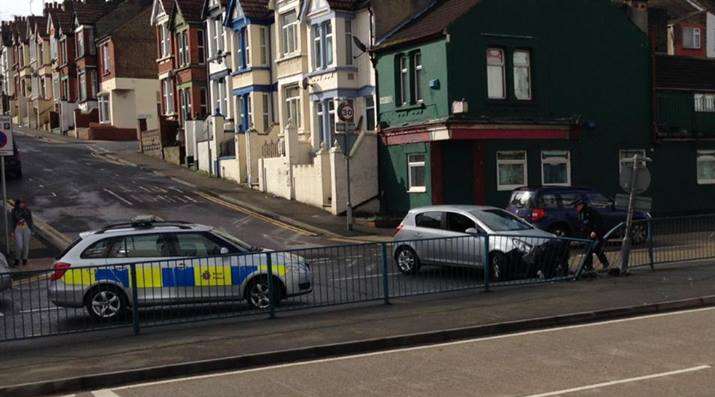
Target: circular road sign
[
  {"x": 643, "y": 179},
  {"x": 3, "y": 139},
  {"x": 346, "y": 112}
]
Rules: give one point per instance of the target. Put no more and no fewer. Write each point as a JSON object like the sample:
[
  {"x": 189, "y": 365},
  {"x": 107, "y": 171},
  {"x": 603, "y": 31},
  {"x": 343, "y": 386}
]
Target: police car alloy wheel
[
  {"x": 258, "y": 295},
  {"x": 106, "y": 303}
]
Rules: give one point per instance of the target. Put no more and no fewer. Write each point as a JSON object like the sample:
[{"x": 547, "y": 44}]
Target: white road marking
[
  {"x": 144, "y": 188},
  {"x": 364, "y": 277},
  {"x": 415, "y": 348},
  {"x": 104, "y": 393},
  {"x": 190, "y": 199},
  {"x": 118, "y": 197},
  {"x": 42, "y": 309},
  {"x": 189, "y": 184},
  {"x": 2, "y": 314},
  {"x": 621, "y": 381}
]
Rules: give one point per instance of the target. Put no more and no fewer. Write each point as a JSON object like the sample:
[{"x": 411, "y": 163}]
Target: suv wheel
[
  {"x": 560, "y": 230},
  {"x": 407, "y": 260},
  {"x": 106, "y": 303},
  {"x": 639, "y": 234},
  {"x": 498, "y": 267}
]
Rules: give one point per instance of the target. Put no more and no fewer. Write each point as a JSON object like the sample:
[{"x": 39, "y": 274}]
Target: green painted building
[{"x": 478, "y": 97}]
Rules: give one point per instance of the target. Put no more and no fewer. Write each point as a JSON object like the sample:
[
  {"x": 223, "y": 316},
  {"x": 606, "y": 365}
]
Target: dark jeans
[{"x": 598, "y": 250}]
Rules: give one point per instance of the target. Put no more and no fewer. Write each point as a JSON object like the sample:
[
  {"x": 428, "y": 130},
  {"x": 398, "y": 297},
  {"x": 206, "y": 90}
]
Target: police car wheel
[
  {"x": 106, "y": 303},
  {"x": 259, "y": 297},
  {"x": 407, "y": 260}
]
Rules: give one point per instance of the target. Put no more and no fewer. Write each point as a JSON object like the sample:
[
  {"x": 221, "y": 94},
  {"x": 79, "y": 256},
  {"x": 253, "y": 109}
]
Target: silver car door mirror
[
  {"x": 224, "y": 251},
  {"x": 473, "y": 231}
]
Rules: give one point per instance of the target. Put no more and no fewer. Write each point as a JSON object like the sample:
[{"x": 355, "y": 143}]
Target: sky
[{"x": 8, "y": 8}]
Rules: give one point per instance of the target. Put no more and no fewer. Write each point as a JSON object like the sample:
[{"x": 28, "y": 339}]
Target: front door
[{"x": 458, "y": 173}]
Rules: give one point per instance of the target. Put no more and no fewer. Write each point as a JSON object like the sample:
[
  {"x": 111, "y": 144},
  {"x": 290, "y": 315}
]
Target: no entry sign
[{"x": 6, "y": 141}]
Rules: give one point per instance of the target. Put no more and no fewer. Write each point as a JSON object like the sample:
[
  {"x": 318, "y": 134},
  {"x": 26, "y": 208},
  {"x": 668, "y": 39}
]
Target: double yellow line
[{"x": 256, "y": 215}]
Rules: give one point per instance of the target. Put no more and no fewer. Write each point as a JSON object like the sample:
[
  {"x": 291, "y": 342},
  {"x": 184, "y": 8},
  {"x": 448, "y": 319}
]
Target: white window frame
[
  {"x": 165, "y": 41},
  {"x": 500, "y": 70},
  {"x": 556, "y": 161},
  {"x": 704, "y": 156},
  {"x": 417, "y": 76},
  {"x": 167, "y": 88},
  {"x": 704, "y": 103},
  {"x": 413, "y": 163},
  {"x": 526, "y": 68},
  {"x": 82, "y": 82},
  {"x": 625, "y": 156},
  {"x": 265, "y": 97},
  {"x": 525, "y": 165},
  {"x": 289, "y": 34},
  {"x": 317, "y": 46},
  {"x": 104, "y": 111},
  {"x": 200, "y": 46},
  {"x": 263, "y": 45},
  {"x": 93, "y": 83},
  {"x": 692, "y": 38},
  {"x": 105, "y": 58},
  {"x": 404, "y": 81},
  {"x": 368, "y": 108},
  {"x": 79, "y": 42},
  {"x": 292, "y": 105}
]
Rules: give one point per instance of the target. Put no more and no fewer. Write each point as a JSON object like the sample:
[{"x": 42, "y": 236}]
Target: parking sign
[{"x": 6, "y": 141}]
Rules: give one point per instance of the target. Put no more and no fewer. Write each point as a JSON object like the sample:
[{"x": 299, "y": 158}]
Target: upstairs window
[
  {"x": 200, "y": 46},
  {"x": 183, "y": 42},
  {"x": 417, "y": 77},
  {"x": 165, "y": 46},
  {"x": 105, "y": 59},
  {"x": 404, "y": 80},
  {"x": 218, "y": 38},
  {"x": 263, "y": 45},
  {"x": 370, "y": 113},
  {"x": 691, "y": 38},
  {"x": 522, "y": 75},
  {"x": 348, "y": 43},
  {"x": 496, "y": 74},
  {"x": 243, "y": 49},
  {"x": 80, "y": 43},
  {"x": 289, "y": 33},
  {"x": 322, "y": 45}
]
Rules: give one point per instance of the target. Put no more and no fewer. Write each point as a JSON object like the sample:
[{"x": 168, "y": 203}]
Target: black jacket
[
  {"x": 591, "y": 221},
  {"x": 21, "y": 213}
]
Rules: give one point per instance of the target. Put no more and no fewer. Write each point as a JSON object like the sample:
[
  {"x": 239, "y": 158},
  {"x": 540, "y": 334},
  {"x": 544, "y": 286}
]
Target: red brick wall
[
  {"x": 136, "y": 48},
  {"x": 103, "y": 132}
]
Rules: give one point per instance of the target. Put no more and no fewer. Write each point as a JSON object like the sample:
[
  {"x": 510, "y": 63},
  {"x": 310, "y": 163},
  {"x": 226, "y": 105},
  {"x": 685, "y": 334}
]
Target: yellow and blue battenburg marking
[{"x": 154, "y": 276}]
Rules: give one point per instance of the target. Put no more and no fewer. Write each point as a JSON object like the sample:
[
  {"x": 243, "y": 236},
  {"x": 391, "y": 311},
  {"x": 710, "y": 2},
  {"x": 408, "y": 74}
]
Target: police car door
[
  {"x": 212, "y": 263},
  {"x": 155, "y": 258}
]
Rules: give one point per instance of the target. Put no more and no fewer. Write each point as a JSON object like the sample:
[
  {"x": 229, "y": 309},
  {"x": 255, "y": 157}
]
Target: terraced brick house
[
  {"x": 479, "y": 97},
  {"x": 128, "y": 84},
  {"x": 64, "y": 72},
  {"x": 7, "y": 60},
  {"x": 40, "y": 106}
]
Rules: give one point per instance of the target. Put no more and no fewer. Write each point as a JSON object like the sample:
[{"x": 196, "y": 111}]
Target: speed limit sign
[{"x": 346, "y": 112}]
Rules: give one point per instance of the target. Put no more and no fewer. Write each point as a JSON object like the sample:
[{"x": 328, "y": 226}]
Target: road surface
[{"x": 661, "y": 355}]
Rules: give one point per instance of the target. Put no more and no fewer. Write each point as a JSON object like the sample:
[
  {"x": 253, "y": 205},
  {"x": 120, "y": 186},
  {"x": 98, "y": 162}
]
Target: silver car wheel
[
  {"x": 259, "y": 295},
  {"x": 406, "y": 260},
  {"x": 106, "y": 304}
]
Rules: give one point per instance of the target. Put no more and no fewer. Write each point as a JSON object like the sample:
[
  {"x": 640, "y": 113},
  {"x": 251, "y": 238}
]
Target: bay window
[
  {"x": 292, "y": 102},
  {"x": 264, "y": 45},
  {"x": 82, "y": 81},
  {"x": 167, "y": 89},
  {"x": 105, "y": 58},
  {"x": 322, "y": 45},
  {"x": 165, "y": 46},
  {"x": 348, "y": 42},
  {"x": 200, "y": 46},
  {"x": 80, "y": 43}
]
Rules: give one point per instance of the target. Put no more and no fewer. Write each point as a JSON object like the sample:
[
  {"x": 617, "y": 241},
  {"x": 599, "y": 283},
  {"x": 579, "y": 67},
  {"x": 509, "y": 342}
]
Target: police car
[{"x": 172, "y": 262}]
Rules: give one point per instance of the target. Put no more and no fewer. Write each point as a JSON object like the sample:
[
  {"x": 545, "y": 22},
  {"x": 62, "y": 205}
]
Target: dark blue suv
[{"x": 551, "y": 208}]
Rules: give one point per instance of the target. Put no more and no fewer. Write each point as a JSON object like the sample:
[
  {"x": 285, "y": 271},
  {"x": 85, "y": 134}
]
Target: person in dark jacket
[
  {"x": 21, "y": 218},
  {"x": 591, "y": 224}
]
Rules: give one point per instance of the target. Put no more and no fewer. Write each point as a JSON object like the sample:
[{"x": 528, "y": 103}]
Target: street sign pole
[
  {"x": 626, "y": 247},
  {"x": 4, "y": 208},
  {"x": 346, "y": 114},
  {"x": 349, "y": 211}
]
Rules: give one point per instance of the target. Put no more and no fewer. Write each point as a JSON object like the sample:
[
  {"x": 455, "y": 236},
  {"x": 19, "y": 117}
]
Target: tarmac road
[
  {"x": 75, "y": 188},
  {"x": 647, "y": 356}
]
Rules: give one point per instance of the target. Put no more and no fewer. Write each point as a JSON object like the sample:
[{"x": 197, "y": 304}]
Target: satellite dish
[
  {"x": 305, "y": 84},
  {"x": 359, "y": 44}
]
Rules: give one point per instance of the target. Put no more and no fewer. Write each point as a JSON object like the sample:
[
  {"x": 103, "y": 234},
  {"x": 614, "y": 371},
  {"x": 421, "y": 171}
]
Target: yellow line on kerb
[{"x": 256, "y": 215}]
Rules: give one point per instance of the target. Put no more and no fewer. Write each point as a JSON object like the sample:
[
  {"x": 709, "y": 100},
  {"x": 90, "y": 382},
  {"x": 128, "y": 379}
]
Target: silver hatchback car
[{"x": 454, "y": 235}]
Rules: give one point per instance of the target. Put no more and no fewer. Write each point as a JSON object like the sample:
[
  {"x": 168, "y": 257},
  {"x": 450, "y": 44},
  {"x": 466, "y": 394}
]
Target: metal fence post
[
  {"x": 485, "y": 262},
  {"x": 587, "y": 254},
  {"x": 135, "y": 299},
  {"x": 651, "y": 248},
  {"x": 385, "y": 277},
  {"x": 269, "y": 269}
]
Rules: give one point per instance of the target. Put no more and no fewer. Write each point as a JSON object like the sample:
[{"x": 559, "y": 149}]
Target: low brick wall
[{"x": 105, "y": 132}]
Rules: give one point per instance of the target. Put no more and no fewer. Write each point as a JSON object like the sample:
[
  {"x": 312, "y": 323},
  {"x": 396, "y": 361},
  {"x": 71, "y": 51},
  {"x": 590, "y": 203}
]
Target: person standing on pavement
[
  {"x": 591, "y": 224},
  {"x": 21, "y": 217}
]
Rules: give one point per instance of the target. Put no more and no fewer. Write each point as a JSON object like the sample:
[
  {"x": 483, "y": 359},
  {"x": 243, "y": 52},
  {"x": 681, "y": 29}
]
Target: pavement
[
  {"x": 644, "y": 356},
  {"x": 110, "y": 358},
  {"x": 83, "y": 176}
]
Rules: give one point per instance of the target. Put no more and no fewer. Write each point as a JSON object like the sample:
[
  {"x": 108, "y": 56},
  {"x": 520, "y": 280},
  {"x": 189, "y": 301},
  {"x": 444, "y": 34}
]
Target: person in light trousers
[{"x": 22, "y": 221}]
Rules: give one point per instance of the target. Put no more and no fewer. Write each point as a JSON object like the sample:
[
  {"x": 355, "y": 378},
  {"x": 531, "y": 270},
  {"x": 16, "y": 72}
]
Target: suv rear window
[{"x": 522, "y": 199}]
